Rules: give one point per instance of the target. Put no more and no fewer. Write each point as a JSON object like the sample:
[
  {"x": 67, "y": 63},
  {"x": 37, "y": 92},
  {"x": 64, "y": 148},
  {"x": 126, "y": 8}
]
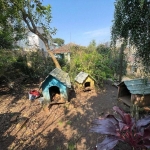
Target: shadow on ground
[
  {"x": 7, "y": 124},
  {"x": 63, "y": 127}
]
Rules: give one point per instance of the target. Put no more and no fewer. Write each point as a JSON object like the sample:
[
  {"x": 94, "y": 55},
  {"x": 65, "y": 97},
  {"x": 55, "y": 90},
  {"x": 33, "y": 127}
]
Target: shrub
[
  {"x": 125, "y": 129},
  {"x": 90, "y": 61},
  {"x": 15, "y": 64}
]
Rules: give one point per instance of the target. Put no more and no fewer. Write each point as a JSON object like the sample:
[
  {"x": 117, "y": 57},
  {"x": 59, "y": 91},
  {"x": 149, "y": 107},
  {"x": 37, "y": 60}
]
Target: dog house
[
  {"x": 55, "y": 88},
  {"x": 135, "y": 91},
  {"x": 83, "y": 81}
]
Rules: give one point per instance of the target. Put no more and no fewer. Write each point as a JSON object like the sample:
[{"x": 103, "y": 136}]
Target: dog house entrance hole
[
  {"x": 54, "y": 93},
  {"x": 124, "y": 95},
  {"x": 87, "y": 86}
]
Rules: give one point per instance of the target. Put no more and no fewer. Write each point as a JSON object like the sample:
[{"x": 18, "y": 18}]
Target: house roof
[
  {"x": 80, "y": 78},
  {"x": 63, "y": 49},
  {"x": 61, "y": 76},
  {"x": 137, "y": 86}
]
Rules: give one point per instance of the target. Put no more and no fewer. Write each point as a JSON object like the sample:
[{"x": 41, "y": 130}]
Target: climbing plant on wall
[{"x": 132, "y": 24}]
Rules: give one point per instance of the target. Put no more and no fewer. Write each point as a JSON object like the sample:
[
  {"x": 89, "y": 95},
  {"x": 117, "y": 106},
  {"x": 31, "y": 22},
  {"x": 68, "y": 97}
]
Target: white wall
[{"x": 32, "y": 42}]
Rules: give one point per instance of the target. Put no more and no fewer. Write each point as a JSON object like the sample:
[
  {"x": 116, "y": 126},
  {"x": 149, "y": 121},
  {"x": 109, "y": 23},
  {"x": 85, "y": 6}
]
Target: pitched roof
[
  {"x": 63, "y": 49},
  {"x": 80, "y": 78},
  {"x": 61, "y": 76},
  {"x": 137, "y": 86}
]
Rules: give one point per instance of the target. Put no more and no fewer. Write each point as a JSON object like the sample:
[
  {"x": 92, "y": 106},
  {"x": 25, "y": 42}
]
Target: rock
[{"x": 14, "y": 118}]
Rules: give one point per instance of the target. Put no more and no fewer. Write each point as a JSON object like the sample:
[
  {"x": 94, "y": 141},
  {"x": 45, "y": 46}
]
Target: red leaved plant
[{"x": 125, "y": 129}]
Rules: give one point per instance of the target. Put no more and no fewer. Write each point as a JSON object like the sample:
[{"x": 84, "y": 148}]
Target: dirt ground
[{"x": 27, "y": 125}]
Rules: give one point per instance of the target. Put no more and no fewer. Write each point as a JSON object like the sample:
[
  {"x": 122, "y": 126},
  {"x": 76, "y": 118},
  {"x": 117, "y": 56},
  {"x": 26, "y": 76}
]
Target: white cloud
[{"x": 103, "y": 32}]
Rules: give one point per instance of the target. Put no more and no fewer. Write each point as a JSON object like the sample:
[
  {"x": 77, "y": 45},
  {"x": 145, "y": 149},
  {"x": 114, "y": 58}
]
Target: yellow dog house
[{"x": 83, "y": 81}]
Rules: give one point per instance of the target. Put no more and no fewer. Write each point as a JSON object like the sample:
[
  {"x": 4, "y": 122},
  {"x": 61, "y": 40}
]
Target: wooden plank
[{"x": 126, "y": 100}]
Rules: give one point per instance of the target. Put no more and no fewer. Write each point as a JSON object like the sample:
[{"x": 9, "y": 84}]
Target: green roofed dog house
[{"x": 55, "y": 88}]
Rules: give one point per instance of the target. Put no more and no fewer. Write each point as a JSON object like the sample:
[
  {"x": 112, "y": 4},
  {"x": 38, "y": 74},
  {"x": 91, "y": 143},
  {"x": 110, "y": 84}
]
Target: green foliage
[
  {"x": 6, "y": 39},
  {"x": 6, "y": 60},
  {"x": 29, "y": 11},
  {"x": 17, "y": 16},
  {"x": 112, "y": 57},
  {"x": 71, "y": 146},
  {"x": 104, "y": 50},
  {"x": 30, "y": 65},
  {"x": 91, "y": 46},
  {"x": 39, "y": 64},
  {"x": 59, "y": 41},
  {"x": 10, "y": 29},
  {"x": 27, "y": 15},
  {"x": 89, "y": 61},
  {"x": 131, "y": 22}
]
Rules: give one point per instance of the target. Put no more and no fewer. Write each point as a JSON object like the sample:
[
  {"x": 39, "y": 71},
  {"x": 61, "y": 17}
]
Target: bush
[
  {"x": 32, "y": 65},
  {"x": 125, "y": 129},
  {"x": 90, "y": 61}
]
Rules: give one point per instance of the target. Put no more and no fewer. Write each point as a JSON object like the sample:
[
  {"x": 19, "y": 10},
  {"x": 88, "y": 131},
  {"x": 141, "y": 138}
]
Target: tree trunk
[
  {"x": 32, "y": 27},
  {"x": 57, "y": 65},
  {"x": 121, "y": 62}
]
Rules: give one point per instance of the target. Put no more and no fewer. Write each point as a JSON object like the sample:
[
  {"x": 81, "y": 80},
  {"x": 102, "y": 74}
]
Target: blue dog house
[{"x": 55, "y": 88}]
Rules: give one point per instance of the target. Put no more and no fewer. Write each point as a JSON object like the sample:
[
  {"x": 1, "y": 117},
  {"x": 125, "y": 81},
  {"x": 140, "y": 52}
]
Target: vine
[{"x": 132, "y": 24}]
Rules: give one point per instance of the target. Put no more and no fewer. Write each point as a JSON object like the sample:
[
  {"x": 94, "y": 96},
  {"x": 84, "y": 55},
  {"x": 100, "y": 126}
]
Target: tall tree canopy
[
  {"x": 31, "y": 14},
  {"x": 59, "y": 41},
  {"x": 132, "y": 22},
  {"x": 9, "y": 31}
]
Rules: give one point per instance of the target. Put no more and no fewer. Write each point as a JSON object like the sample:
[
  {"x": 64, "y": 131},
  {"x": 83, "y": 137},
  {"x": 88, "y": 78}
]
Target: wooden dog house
[
  {"x": 83, "y": 81},
  {"x": 55, "y": 88},
  {"x": 135, "y": 91}
]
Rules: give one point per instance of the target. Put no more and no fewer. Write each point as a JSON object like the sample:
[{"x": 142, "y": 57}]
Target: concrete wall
[{"x": 32, "y": 42}]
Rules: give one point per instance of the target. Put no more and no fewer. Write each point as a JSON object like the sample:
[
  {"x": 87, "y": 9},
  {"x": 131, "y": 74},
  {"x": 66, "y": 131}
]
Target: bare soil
[{"x": 27, "y": 125}]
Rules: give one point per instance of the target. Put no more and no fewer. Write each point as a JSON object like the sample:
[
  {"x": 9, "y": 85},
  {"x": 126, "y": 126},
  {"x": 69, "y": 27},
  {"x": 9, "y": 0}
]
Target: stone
[{"x": 14, "y": 118}]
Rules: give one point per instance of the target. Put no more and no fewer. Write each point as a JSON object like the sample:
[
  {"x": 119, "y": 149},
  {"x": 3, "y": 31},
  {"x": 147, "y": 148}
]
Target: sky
[{"x": 81, "y": 21}]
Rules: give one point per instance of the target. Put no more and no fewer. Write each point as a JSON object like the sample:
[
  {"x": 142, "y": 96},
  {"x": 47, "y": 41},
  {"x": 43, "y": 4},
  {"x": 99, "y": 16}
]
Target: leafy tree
[
  {"x": 30, "y": 14},
  {"x": 89, "y": 61},
  {"x": 59, "y": 41},
  {"x": 131, "y": 23},
  {"x": 6, "y": 39},
  {"x": 115, "y": 60},
  {"x": 6, "y": 59},
  {"x": 102, "y": 49},
  {"x": 9, "y": 32},
  {"x": 25, "y": 65},
  {"x": 91, "y": 46}
]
